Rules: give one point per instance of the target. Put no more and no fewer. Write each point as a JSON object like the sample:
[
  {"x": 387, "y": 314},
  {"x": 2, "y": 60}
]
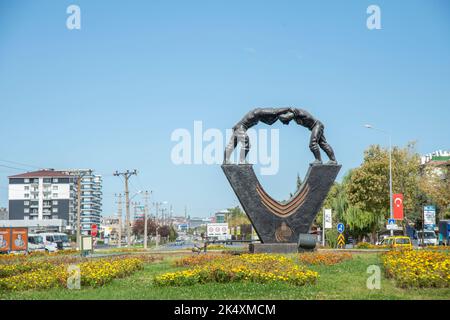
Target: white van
[
  {"x": 51, "y": 243},
  {"x": 35, "y": 243},
  {"x": 64, "y": 238},
  {"x": 429, "y": 238}
]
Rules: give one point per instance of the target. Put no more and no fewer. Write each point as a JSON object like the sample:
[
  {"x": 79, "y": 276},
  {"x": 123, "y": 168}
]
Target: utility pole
[
  {"x": 157, "y": 224},
  {"x": 146, "y": 194},
  {"x": 127, "y": 174},
  {"x": 119, "y": 214}
]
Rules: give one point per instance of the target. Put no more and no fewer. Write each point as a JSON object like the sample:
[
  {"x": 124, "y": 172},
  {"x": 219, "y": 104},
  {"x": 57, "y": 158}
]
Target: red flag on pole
[{"x": 398, "y": 206}]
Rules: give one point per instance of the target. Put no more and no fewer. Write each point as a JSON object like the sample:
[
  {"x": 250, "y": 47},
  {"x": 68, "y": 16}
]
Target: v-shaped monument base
[{"x": 281, "y": 222}]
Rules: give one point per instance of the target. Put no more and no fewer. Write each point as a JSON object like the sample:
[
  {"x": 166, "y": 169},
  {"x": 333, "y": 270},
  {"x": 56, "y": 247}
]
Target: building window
[
  {"x": 55, "y": 187},
  {"x": 55, "y": 202},
  {"x": 55, "y": 180},
  {"x": 26, "y": 210},
  {"x": 26, "y": 203},
  {"x": 26, "y": 188},
  {"x": 26, "y": 195},
  {"x": 55, "y": 210},
  {"x": 55, "y": 195},
  {"x": 26, "y": 180}
]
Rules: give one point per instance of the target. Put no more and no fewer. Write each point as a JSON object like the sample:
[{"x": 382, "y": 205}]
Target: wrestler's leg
[
  {"x": 316, "y": 133},
  {"x": 230, "y": 148},
  {"x": 327, "y": 148},
  {"x": 245, "y": 147}
]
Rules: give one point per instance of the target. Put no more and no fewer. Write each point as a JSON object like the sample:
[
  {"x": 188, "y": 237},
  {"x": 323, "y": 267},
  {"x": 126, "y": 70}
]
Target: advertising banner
[
  {"x": 19, "y": 239},
  {"x": 429, "y": 217},
  {"x": 328, "y": 224},
  {"x": 218, "y": 229},
  {"x": 5, "y": 239}
]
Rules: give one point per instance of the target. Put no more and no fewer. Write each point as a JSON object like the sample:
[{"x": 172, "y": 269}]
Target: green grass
[{"x": 343, "y": 281}]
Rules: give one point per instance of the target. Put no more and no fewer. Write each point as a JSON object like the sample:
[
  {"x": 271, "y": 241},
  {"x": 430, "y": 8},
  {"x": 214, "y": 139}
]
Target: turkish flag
[{"x": 398, "y": 206}]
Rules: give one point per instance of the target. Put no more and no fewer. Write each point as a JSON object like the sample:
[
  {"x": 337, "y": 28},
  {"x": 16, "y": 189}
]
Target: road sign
[
  {"x": 392, "y": 227},
  {"x": 391, "y": 221},
  {"x": 341, "y": 228},
  {"x": 341, "y": 241},
  {"x": 94, "y": 230}
]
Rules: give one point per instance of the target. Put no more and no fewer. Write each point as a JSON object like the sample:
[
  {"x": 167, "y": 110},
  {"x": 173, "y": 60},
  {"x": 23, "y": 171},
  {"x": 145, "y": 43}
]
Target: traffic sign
[
  {"x": 391, "y": 221},
  {"x": 341, "y": 241},
  {"x": 340, "y": 228},
  {"x": 94, "y": 230}
]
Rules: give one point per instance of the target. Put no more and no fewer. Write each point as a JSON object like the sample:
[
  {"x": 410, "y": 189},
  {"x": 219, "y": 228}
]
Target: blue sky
[{"x": 108, "y": 96}]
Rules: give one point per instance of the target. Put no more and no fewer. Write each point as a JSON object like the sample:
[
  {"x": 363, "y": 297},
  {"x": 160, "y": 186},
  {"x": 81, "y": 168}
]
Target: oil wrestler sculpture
[
  {"x": 267, "y": 115},
  {"x": 317, "y": 141}
]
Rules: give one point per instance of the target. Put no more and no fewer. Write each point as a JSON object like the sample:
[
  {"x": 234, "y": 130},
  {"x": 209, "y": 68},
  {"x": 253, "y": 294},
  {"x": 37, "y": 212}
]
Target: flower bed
[
  {"x": 366, "y": 245},
  {"x": 329, "y": 258},
  {"x": 216, "y": 247},
  {"x": 260, "y": 268},
  {"x": 418, "y": 269},
  {"x": 194, "y": 260},
  {"x": 47, "y": 274}
]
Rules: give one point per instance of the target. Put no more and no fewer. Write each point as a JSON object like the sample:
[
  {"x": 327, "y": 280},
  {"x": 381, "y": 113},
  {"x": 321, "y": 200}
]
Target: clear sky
[{"x": 108, "y": 96}]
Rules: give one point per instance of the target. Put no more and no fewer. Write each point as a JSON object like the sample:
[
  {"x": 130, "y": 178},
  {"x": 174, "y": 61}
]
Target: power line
[
  {"x": 22, "y": 164},
  {"x": 9, "y": 167}
]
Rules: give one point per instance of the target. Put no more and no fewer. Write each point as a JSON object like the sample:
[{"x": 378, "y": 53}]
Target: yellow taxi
[{"x": 399, "y": 242}]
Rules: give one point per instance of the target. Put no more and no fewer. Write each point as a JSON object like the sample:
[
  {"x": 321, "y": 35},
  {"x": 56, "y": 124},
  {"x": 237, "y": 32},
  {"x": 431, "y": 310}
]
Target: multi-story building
[
  {"x": 41, "y": 195},
  {"x": 220, "y": 217},
  {"x": 52, "y": 195},
  {"x": 91, "y": 199}
]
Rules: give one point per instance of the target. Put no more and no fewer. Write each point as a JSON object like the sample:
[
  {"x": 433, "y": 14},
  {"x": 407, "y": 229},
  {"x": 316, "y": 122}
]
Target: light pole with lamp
[{"x": 368, "y": 126}]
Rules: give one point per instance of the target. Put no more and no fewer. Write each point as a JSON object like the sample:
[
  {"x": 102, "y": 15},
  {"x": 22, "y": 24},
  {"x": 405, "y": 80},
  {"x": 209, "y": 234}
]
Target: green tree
[
  {"x": 357, "y": 221},
  {"x": 367, "y": 188},
  {"x": 236, "y": 217},
  {"x": 435, "y": 184}
]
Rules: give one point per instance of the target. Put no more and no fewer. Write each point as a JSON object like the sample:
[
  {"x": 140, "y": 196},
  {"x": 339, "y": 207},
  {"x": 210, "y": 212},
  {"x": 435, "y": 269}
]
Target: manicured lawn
[{"x": 342, "y": 281}]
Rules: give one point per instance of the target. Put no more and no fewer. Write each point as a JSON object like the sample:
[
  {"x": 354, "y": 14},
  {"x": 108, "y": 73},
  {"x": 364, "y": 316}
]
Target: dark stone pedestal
[
  {"x": 281, "y": 222},
  {"x": 273, "y": 248}
]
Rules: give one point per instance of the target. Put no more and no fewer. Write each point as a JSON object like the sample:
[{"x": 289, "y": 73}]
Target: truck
[{"x": 444, "y": 232}]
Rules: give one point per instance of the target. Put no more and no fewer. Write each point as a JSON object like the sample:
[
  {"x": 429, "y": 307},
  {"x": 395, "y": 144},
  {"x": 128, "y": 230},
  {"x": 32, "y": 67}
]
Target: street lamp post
[{"x": 368, "y": 126}]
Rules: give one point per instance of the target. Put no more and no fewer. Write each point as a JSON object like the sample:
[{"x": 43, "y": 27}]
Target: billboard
[
  {"x": 429, "y": 217},
  {"x": 19, "y": 239},
  {"x": 217, "y": 230},
  {"x": 13, "y": 239},
  {"x": 5, "y": 239}
]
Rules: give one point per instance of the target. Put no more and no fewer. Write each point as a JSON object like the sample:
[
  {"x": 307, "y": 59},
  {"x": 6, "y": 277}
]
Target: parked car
[
  {"x": 35, "y": 243},
  {"x": 398, "y": 242}
]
